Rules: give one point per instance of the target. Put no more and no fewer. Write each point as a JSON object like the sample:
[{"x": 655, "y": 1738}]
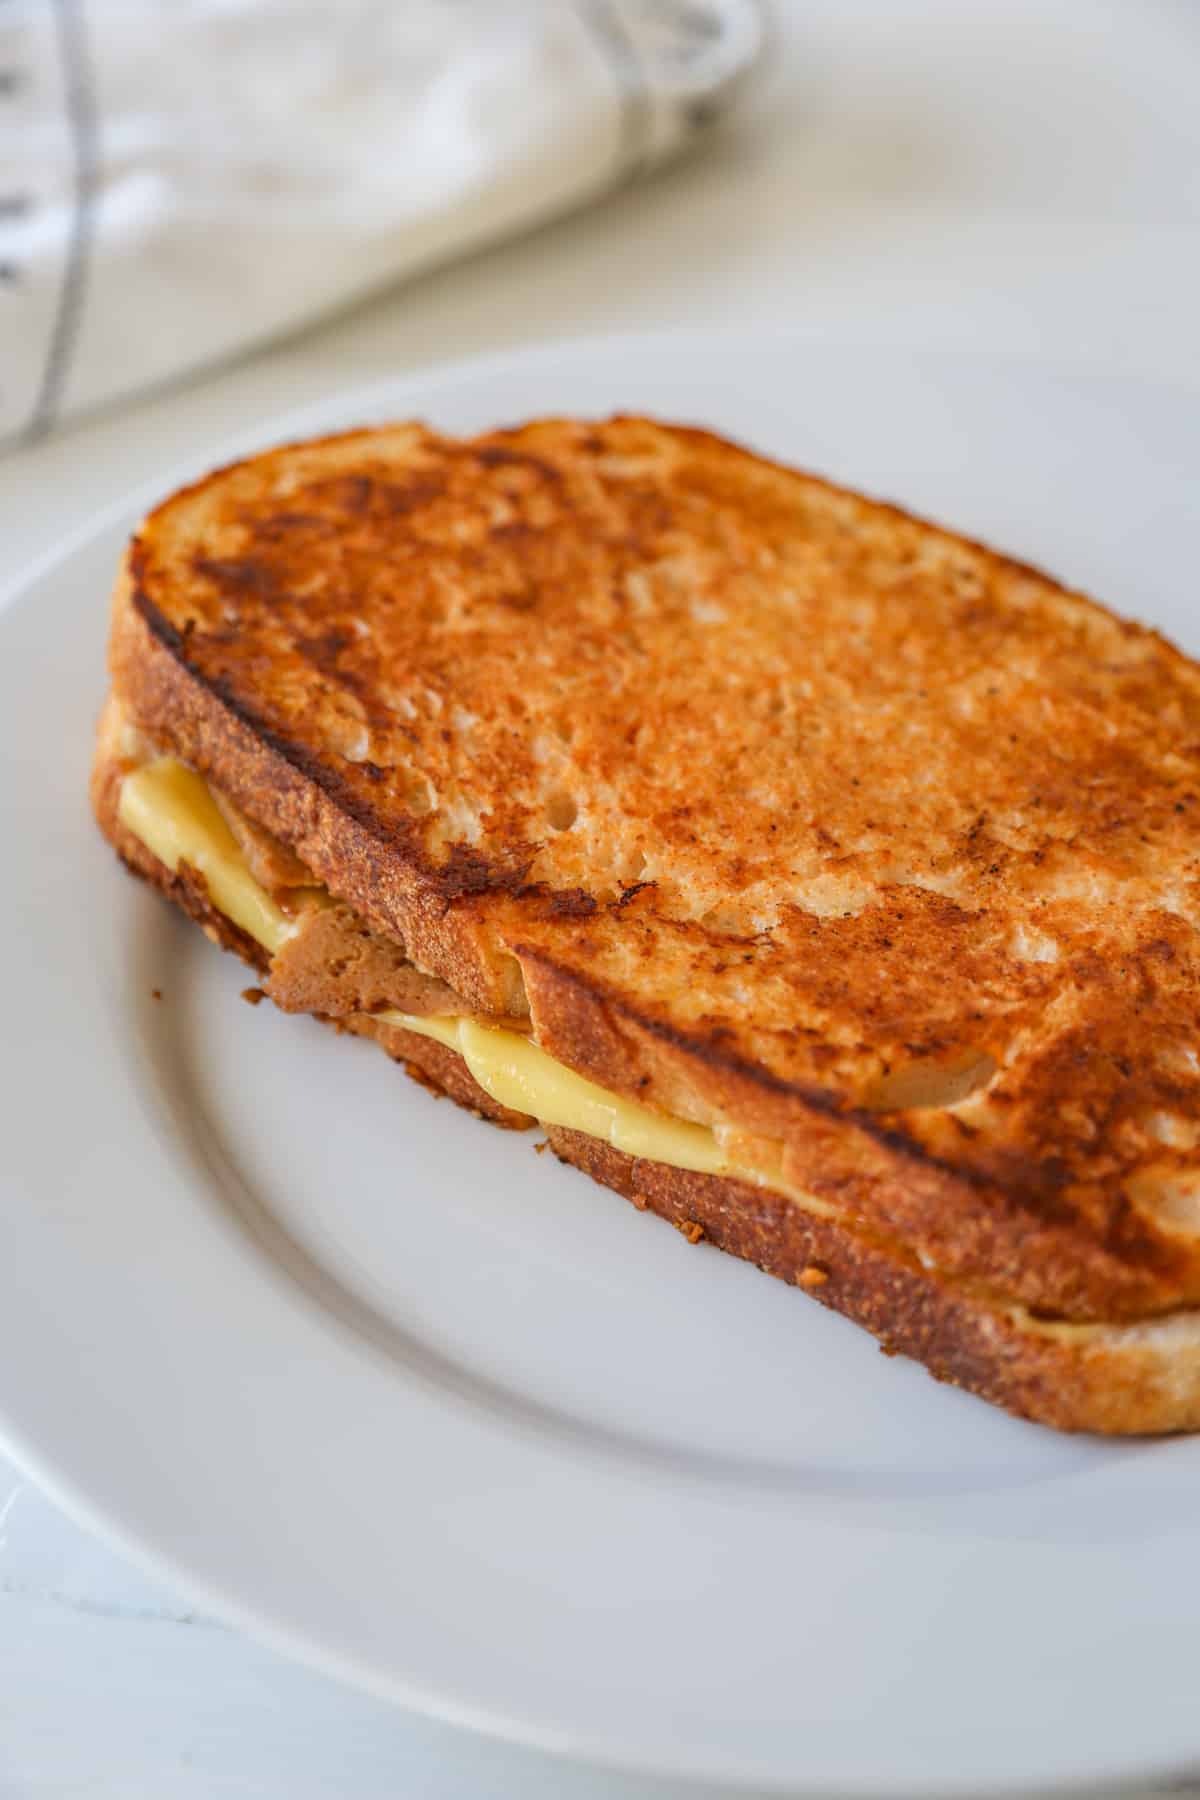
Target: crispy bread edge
[{"x": 1125, "y": 1380}]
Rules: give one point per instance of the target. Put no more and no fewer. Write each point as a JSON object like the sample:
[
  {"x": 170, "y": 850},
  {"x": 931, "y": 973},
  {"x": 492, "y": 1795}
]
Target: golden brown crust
[{"x": 728, "y": 768}]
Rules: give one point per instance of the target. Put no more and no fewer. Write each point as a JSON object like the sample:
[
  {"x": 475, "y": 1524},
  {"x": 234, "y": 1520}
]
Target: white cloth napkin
[{"x": 181, "y": 182}]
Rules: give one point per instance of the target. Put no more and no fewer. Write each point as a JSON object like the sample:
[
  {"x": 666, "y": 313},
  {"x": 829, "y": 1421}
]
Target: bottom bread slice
[{"x": 1140, "y": 1378}]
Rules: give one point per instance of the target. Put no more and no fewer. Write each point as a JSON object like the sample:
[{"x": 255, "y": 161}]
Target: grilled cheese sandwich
[{"x": 611, "y": 776}]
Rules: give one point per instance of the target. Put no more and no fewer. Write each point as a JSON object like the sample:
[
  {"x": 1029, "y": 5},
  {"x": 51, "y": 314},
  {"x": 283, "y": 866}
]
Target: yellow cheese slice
[
  {"x": 168, "y": 807},
  {"x": 514, "y": 1071}
]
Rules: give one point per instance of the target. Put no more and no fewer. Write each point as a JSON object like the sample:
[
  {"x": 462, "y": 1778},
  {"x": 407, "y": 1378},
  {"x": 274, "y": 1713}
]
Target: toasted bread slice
[{"x": 765, "y": 805}]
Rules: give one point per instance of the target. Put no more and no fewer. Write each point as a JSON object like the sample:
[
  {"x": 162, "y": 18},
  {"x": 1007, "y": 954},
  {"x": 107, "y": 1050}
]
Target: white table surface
[{"x": 1012, "y": 176}]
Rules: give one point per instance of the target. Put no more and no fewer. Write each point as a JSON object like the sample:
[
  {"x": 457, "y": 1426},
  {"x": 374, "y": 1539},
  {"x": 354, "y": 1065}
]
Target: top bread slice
[{"x": 769, "y": 804}]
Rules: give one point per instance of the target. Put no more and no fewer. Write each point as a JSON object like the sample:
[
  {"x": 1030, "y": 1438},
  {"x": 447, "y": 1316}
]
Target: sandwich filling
[{"x": 170, "y": 809}]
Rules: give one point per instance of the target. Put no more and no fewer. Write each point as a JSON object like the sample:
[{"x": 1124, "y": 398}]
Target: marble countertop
[{"x": 1014, "y": 177}]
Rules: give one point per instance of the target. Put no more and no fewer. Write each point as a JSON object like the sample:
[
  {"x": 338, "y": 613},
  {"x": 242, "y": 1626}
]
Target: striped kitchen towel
[{"x": 180, "y": 183}]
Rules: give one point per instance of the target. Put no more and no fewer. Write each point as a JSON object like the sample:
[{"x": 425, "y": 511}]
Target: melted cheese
[
  {"x": 169, "y": 809},
  {"x": 514, "y": 1071}
]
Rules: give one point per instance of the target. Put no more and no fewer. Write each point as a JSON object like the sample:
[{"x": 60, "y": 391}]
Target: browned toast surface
[{"x": 772, "y": 804}]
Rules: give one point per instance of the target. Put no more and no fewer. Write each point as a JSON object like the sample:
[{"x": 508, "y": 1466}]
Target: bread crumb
[
  {"x": 691, "y": 1230},
  {"x": 252, "y": 995},
  {"x": 814, "y": 1276},
  {"x": 640, "y": 1201}
]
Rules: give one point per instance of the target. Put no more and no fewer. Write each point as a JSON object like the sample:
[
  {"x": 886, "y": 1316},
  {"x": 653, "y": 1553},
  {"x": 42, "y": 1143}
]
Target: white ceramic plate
[{"x": 377, "y": 1382}]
